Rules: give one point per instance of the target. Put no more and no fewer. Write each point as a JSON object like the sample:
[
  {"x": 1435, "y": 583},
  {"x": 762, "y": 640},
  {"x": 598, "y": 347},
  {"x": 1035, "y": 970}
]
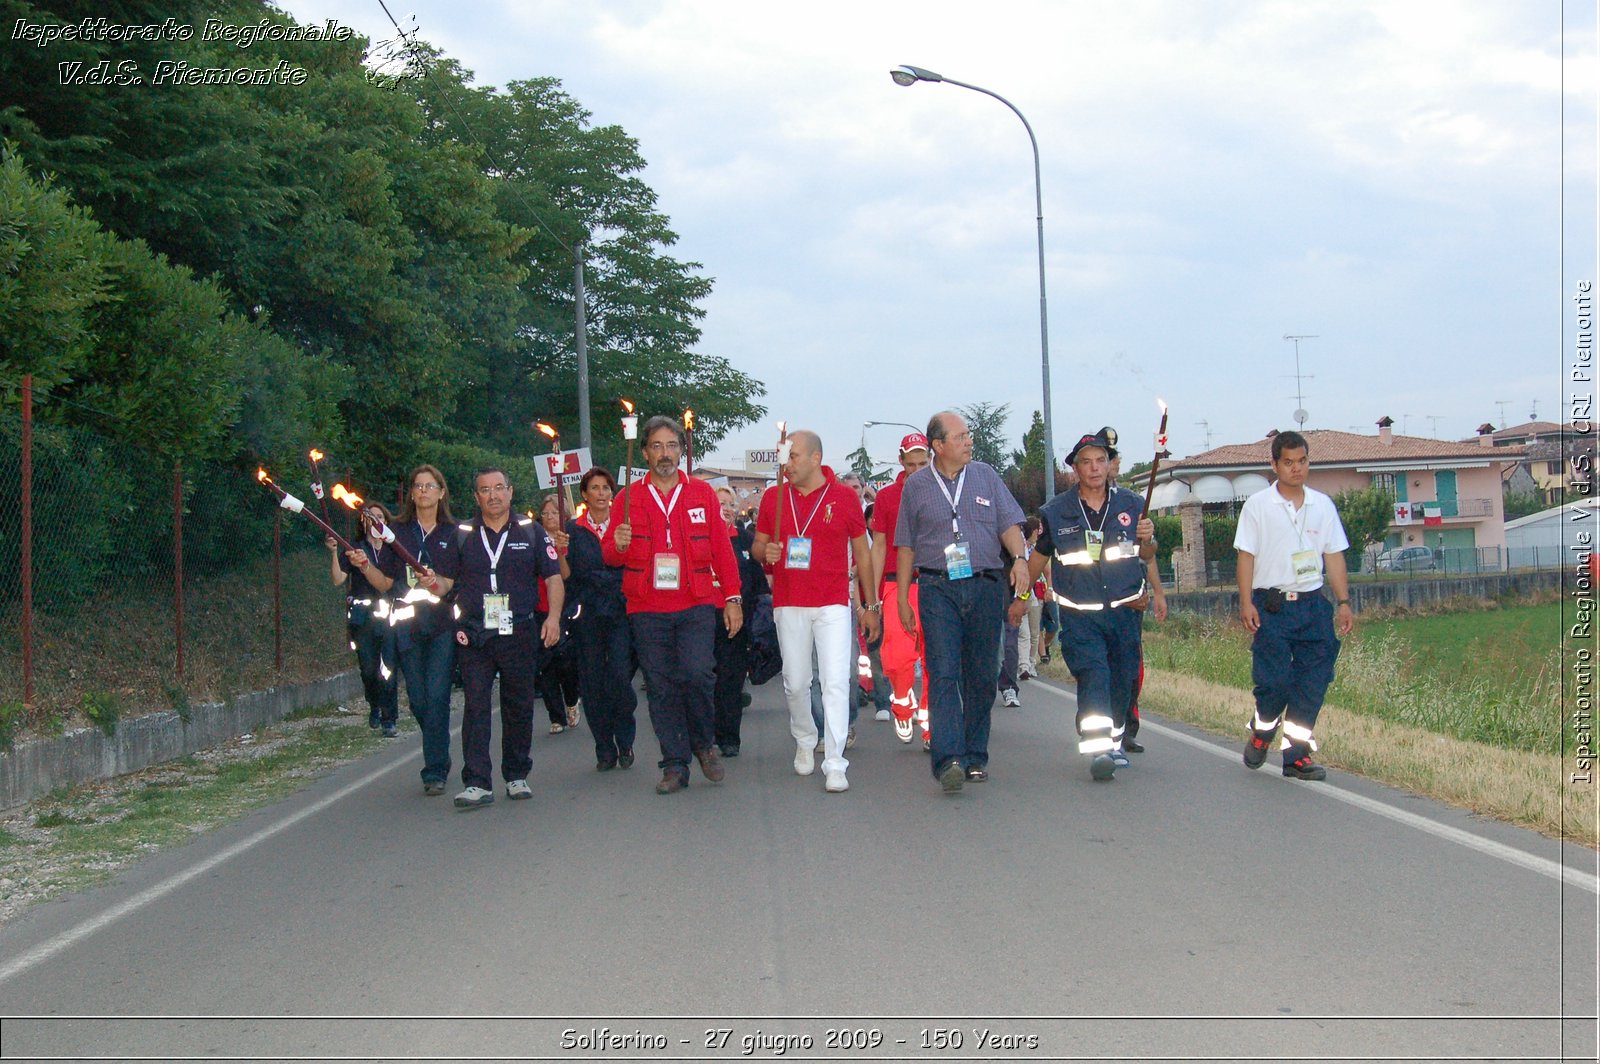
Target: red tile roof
[{"x": 1343, "y": 448}]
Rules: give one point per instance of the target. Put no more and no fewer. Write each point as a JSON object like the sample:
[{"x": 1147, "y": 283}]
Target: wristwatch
[{"x": 736, "y": 600}]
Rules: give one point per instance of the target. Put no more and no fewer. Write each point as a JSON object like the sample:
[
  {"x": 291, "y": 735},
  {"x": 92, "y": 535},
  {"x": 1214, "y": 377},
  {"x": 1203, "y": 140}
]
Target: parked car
[{"x": 1406, "y": 560}]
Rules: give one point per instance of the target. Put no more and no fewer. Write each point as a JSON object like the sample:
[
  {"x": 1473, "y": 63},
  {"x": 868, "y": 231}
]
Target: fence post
[
  {"x": 27, "y": 542},
  {"x": 177, "y": 560},
  {"x": 277, "y": 590}
]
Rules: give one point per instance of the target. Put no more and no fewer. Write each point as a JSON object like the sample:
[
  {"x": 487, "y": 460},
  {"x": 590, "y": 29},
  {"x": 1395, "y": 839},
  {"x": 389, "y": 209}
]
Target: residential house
[
  {"x": 1548, "y": 453},
  {"x": 1447, "y": 495}
]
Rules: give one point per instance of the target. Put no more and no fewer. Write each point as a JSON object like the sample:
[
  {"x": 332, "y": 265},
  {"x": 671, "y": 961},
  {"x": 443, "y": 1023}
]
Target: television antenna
[
  {"x": 1502, "y": 404},
  {"x": 1300, "y": 414},
  {"x": 1435, "y": 418},
  {"x": 1204, "y": 424}
]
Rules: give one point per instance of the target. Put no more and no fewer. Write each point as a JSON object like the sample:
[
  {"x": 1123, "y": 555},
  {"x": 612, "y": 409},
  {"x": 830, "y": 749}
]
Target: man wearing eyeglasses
[
  {"x": 679, "y": 568},
  {"x": 957, "y": 523}
]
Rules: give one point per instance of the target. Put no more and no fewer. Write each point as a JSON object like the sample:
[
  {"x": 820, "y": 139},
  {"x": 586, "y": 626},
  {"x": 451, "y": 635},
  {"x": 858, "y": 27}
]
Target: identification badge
[
  {"x": 497, "y": 613},
  {"x": 958, "y": 560},
  {"x": 1306, "y": 565},
  {"x": 799, "y": 554},
  {"x": 1096, "y": 542},
  {"x": 668, "y": 569}
]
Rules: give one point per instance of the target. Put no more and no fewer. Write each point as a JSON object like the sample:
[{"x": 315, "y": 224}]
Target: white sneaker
[
  {"x": 902, "y": 729},
  {"x": 804, "y": 760},
  {"x": 1010, "y": 696},
  {"x": 835, "y": 783},
  {"x": 883, "y": 714},
  {"x": 518, "y": 790},
  {"x": 474, "y": 797}
]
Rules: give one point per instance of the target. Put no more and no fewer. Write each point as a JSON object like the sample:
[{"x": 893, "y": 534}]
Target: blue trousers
[
  {"x": 1101, "y": 649},
  {"x": 1291, "y": 662},
  {"x": 679, "y": 663},
  {"x": 427, "y": 663},
  {"x": 605, "y": 679},
  {"x": 961, "y": 622}
]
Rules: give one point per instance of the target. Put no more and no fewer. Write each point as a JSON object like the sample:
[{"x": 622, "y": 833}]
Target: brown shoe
[
  {"x": 671, "y": 783},
  {"x": 711, "y": 764}
]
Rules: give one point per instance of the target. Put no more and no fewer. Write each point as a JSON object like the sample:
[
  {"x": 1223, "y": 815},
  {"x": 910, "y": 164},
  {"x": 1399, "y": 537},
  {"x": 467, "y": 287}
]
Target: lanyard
[
  {"x": 667, "y": 507},
  {"x": 794, "y": 506},
  {"x": 494, "y": 555},
  {"x": 422, "y": 543},
  {"x": 1105, "y": 513},
  {"x": 1297, "y": 522},
  {"x": 954, "y": 501}
]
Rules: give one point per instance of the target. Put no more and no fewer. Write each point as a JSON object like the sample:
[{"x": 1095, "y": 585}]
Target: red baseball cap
[{"x": 913, "y": 441}]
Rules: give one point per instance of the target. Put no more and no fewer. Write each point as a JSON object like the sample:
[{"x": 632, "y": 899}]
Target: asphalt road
[{"x": 1187, "y": 909}]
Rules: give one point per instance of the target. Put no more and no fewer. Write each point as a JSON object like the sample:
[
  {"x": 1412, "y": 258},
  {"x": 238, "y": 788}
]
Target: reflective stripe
[
  {"x": 1135, "y": 597},
  {"x": 384, "y": 670},
  {"x": 1116, "y": 733},
  {"x": 455, "y": 611},
  {"x": 1257, "y": 724},
  {"x": 1117, "y": 552},
  {"x": 1098, "y": 744},
  {"x": 402, "y": 613},
  {"x": 1095, "y": 722},
  {"x": 1086, "y": 607},
  {"x": 1077, "y": 557},
  {"x": 1297, "y": 735}
]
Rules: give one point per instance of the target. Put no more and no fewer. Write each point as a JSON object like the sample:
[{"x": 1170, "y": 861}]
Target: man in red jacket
[
  {"x": 677, "y": 560},
  {"x": 901, "y": 651}
]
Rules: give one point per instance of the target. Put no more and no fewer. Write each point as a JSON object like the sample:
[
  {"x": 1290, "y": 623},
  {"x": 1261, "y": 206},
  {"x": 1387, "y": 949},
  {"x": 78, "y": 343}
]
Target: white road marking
[
  {"x": 45, "y": 950},
  {"x": 1543, "y": 866}
]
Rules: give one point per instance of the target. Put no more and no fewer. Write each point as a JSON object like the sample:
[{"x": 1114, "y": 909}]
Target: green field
[{"x": 1488, "y": 675}]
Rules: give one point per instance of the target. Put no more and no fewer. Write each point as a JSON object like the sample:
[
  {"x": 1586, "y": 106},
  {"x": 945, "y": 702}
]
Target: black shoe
[
  {"x": 730, "y": 749},
  {"x": 1102, "y": 768},
  {"x": 1255, "y": 751},
  {"x": 374, "y": 723},
  {"x": 605, "y": 764},
  {"x": 433, "y": 788},
  {"x": 1304, "y": 769},
  {"x": 951, "y": 777},
  {"x": 977, "y": 774},
  {"x": 625, "y": 759},
  {"x": 744, "y": 700},
  {"x": 390, "y": 731},
  {"x": 1132, "y": 746}
]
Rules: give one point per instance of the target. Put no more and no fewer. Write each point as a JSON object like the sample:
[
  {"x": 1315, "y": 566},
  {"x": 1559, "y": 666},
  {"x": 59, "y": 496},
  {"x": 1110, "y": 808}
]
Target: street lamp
[{"x": 910, "y": 75}]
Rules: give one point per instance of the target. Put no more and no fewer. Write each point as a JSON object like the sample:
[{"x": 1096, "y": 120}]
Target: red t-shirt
[
  {"x": 885, "y": 515},
  {"x": 830, "y": 516}
]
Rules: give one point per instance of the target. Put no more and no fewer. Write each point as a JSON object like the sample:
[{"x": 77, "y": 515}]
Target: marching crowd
[{"x": 940, "y": 586}]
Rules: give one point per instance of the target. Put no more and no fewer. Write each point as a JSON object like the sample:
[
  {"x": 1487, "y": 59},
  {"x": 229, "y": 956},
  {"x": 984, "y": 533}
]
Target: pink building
[{"x": 1447, "y": 495}]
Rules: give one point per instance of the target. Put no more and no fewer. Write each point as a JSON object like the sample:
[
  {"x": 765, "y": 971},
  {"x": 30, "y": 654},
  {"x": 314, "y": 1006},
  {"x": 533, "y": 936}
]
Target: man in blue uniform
[
  {"x": 502, "y": 559},
  {"x": 1099, "y": 540}
]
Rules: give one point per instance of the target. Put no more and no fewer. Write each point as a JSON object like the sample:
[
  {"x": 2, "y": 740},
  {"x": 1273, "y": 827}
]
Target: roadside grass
[
  {"x": 1464, "y": 707},
  {"x": 117, "y": 649},
  {"x": 72, "y": 839}
]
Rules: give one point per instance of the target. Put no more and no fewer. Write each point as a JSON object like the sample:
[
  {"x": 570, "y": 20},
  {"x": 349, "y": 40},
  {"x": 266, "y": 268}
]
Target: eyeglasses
[
  {"x": 426, "y": 486},
  {"x": 494, "y": 489},
  {"x": 658, "y": 446}
]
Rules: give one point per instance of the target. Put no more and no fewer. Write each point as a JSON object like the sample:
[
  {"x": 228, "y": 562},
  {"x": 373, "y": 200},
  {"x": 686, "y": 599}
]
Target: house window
[
  {"x": 1553, "y": 468},
  {"x": 1384, "y": 482}
]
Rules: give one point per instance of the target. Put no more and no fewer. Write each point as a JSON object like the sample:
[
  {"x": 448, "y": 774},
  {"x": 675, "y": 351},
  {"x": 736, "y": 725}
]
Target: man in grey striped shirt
[{"x": 955, "y": 517}]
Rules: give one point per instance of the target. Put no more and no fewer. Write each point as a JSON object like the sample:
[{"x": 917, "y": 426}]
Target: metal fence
[{"x": 131, "y": 582}]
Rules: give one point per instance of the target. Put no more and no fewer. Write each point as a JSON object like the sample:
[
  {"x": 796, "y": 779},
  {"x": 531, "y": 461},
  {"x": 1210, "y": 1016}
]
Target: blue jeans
[
  {"x": 961, "y": 622},
  {"x": 427, "y": 663},
  {"x": 679, "y": 662}
]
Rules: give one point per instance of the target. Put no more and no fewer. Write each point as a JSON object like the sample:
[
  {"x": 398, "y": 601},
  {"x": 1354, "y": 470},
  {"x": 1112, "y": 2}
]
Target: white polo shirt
[{"x": 1272, "y": 530}]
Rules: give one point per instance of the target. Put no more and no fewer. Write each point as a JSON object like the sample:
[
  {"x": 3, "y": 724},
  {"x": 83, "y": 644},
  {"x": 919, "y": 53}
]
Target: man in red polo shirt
[
  {"x": 809, "y": 555},
  {"x": 900, "y": 651},
  {"x": 670, "y": 542}
]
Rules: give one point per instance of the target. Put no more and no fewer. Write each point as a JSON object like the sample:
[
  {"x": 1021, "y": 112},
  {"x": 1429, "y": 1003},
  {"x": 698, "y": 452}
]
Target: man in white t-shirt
[{"x": 1289, "y": 536}]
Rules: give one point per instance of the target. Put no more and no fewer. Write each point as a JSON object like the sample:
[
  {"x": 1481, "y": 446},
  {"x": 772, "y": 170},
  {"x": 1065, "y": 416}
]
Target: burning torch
[
  {"x": 294, "y": 505},
  {"x": 380, "y": 529},
  {"x": 1155, "y": 464},
  {"x": 559, "y": 471},
  {"x": 316, "y": 458},
  {"x": 783, "y": 460},
  {"x": 630, "y": 432},
  {"x": 688, "y": 428}
]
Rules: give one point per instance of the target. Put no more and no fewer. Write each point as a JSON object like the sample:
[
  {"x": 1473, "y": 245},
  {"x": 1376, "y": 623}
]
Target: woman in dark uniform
[
  {"x": 371, "y": 570},
  {"x": 605, "y": 641}
]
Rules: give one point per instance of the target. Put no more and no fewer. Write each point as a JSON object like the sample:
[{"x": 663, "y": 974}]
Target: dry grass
[{"x": 1518, "y": 786}]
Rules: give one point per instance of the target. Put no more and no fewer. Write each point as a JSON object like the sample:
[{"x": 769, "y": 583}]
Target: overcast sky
[{"x": 1383, "y": 175}]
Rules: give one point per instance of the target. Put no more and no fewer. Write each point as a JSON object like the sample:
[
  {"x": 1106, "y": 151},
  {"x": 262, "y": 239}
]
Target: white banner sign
[
  {"x": 571, "y": 465},
  {"x": 761, "y": 460}
]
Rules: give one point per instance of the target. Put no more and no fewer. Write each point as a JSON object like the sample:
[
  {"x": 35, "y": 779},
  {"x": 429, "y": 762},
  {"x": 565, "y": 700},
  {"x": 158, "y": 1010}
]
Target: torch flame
[
  {"x": 548, "y": 430},
  {"x": 688, "y": 418},
  {"x": 628, "y": 406},
  {"x": 316, "y": 455},
  {"x": 783, "y": 426},
  {"x": 261, "y": 475},
  {"x": 1162, "y": 403},
  {"x": 348, "y": 497}
]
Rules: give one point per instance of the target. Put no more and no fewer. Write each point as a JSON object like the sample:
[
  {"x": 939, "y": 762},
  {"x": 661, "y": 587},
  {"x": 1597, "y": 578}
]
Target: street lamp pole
[{"x": 910, "y": 75}]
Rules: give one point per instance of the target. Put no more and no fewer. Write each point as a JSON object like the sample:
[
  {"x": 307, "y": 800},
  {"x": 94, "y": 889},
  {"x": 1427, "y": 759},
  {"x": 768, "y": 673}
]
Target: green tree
[
  {"x": 1366, "y": 514},
  {"x": 987, "y": 423},
  {"x": 1523, "y": 504}
]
